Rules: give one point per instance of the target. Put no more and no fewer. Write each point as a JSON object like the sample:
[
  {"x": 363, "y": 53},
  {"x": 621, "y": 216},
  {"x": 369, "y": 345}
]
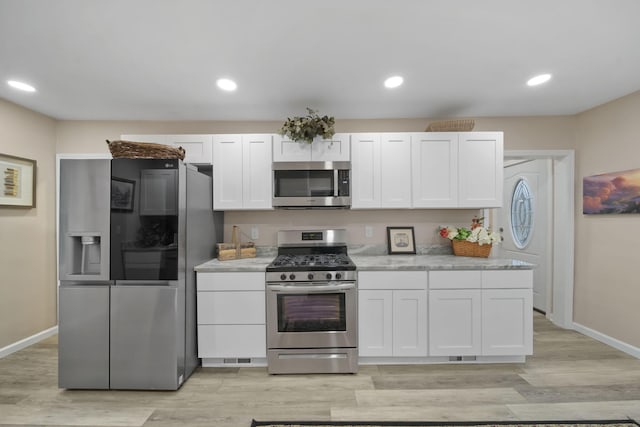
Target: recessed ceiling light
[
  {"x": 21, "y": 86},
  {"x": 538, "y": 80},
  {"x": 227, "y": 84},
  {"x": 393, "y": 82}
]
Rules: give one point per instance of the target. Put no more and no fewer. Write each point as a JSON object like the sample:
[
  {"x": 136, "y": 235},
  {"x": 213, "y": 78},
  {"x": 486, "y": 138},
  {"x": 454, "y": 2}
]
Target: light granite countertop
[
  {"x": 436, "y": 262},
  {"x": 383, "y": 263},
  {"x": 244, "y": 264}
]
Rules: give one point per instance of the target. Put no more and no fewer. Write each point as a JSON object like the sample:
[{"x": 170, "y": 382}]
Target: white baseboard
[
  {"x": 16, "y": 346},
  {"x": 615, "y": 343}
]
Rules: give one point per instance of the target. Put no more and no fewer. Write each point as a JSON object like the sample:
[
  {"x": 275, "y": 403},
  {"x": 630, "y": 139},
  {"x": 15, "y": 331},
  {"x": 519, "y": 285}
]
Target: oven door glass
[
  {"x": 311, "y": 312},
  {"x": 304, "y": 183}
]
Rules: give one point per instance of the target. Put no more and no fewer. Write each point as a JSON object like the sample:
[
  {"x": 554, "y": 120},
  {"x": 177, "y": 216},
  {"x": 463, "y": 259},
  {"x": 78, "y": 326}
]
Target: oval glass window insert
[{"x": 522, "y": 214}]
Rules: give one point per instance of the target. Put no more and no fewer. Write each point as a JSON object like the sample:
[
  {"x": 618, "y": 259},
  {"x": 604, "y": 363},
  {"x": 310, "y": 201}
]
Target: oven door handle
[{"x": 321, "y": 288}]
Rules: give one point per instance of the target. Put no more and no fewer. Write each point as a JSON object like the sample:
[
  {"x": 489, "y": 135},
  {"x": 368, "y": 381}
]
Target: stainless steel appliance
[
  {"x": 312, "y": 306},
  {"x": 130, "y": 233},
  {"x": 305, "y": 185}
]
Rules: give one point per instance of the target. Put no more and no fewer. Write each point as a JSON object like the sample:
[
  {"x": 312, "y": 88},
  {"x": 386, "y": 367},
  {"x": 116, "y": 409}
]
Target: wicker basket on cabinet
[{"x": 464, "y": 248}]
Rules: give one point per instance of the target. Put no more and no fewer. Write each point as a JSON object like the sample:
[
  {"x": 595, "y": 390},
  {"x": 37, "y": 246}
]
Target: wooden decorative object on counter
[
  {"x": 464, "y": 248},
  {"x": 144, "y": 150},
  {"x": 451, "y": 126},
  {"x": 235, "y": 249}
]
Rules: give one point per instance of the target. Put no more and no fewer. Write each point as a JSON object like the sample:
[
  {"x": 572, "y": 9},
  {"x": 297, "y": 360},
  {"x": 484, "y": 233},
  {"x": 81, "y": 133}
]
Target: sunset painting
[{"x": 611, "y": 193}]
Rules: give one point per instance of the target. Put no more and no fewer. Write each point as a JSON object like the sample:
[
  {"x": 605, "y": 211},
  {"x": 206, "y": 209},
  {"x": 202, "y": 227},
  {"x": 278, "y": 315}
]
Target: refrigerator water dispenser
[{"x": 85, "y": 254}]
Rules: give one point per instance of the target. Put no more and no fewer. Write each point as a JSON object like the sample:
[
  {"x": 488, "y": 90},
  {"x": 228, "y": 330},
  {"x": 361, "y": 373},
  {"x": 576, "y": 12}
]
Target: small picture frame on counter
[{"x": 400, "y": 240}]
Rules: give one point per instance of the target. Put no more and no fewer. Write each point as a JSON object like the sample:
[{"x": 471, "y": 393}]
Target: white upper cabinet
[
  {"x": 242, "y": 171},
  {"x": 480, "y": 160},
  {"x": 365, "y": 170},
  {"x": 395, "y": 170},
  {"x": 435, "y": 169},
  {"x": 381, "y": 170},
  {"x": 457, "y": 170},
  {"x": 198, "y": 148},
  {"x": 335, "y": 149}
]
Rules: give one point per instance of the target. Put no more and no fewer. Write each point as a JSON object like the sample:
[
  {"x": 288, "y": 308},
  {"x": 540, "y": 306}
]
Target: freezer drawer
[
  {"x": 83, "y": 335},
  {"x": 145, "y": 350}
]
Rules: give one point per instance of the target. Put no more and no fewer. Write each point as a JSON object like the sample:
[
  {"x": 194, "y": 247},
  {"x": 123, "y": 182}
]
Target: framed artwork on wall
[
  {"x": 400, "y": 240},
  {"x": 611, "y": 193},
  {"x": 18, "y": 182}
]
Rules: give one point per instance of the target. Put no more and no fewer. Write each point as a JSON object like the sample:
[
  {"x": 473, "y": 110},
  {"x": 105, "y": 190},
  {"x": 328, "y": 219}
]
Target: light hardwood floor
[{"x": 569, "y": 376}]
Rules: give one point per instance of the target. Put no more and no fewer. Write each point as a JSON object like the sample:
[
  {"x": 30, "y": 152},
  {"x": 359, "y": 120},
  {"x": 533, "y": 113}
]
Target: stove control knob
[
  {"x": 310, "y": 276},
  {"x": 328, "y": 276},
  {"x": 292, "y": 276},
  {"x": 283, "y": 276},
  {"x": 338, "y": 276}
]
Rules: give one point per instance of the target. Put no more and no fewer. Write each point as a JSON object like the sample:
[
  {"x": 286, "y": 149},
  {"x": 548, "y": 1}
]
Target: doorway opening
[{"x": 559, "y": 308}]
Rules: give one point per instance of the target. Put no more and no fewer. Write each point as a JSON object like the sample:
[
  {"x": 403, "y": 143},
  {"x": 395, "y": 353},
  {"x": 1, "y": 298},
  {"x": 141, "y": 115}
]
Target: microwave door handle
[{"x": 335, "y": 183}]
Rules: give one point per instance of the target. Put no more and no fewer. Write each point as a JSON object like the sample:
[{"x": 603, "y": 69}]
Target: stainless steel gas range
[{"x": 312, "y": 306}]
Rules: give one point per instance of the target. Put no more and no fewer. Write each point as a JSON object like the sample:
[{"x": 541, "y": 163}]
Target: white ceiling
[{"x": 159, "y": 59}]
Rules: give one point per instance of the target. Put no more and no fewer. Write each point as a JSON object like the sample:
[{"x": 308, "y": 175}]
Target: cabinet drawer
[
  {"x": 232, "y": 341},
  {"x": 392, "y": 280},
  {"x": 231, "y": 308},
  {"x": 501, "y": 279},
  {"x": 231, "y": 281},
  {"x": 467, "y": 279}
]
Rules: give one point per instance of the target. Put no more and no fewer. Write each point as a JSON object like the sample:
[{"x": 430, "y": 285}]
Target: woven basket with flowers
[{"x": 475, "y": 241}]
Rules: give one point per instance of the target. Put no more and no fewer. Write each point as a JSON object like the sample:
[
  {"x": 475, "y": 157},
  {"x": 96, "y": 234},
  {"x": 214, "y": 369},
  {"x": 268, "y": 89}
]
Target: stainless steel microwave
[{"x": 305, "y": 185}]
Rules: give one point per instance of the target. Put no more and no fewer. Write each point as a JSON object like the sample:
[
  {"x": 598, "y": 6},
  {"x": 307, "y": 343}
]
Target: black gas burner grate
[{"x": 322, "y": 260}]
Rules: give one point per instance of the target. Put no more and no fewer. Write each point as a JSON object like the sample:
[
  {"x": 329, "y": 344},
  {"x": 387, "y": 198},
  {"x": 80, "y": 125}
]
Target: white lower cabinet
[
  {"x": 392, "y": 313},
  {"x": 454, "y": 322},
  {"x": 231, "y": 315},
  {"x": 480, "y": 313},
  {"x": 507, "y": 322}
]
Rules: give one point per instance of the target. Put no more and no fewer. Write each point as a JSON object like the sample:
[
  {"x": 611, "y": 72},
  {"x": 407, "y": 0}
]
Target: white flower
[
  {"x": 452, "y": 232},
  {"x": 482, "y": 236}
]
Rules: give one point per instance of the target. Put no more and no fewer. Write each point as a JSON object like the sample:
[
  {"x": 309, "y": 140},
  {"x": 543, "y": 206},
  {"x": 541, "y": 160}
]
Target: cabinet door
[
  {"x": 507, "y": 322},
  {"x": 227, "y": 172},
  {"x": 365, "y": 170},
  {"x": 198, "y": 148},
  {"x": 158, "y": 192},
  {"x": 480, "y": 169},
  {"x": 410, "y": 323},
  {"x": 217, "y": 341},
  {"x": 286, "y": 150},
  {"x": 335, "y": 149},
  {"x": 375, "y": 323},
  {"x": 231, "y": 308},
  {"x": 395, "y": 171},
  {"x": 454, "y": 322},
  {"x": 435, "y": 169},
  {"x": 256, "y": 172}
]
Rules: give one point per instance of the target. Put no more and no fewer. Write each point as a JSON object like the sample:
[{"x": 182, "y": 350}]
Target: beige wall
[
  {"x": 27, "y": 236},
  {"x": 607, "y": 291}
]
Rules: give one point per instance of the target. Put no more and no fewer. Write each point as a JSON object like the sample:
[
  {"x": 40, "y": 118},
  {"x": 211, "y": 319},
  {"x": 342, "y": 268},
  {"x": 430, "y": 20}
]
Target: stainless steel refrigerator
[{"x": 130, "y": 233}]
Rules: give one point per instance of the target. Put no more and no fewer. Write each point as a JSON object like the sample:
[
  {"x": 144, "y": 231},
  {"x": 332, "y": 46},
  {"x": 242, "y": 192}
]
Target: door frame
[{"x": 563, "y": 171}]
